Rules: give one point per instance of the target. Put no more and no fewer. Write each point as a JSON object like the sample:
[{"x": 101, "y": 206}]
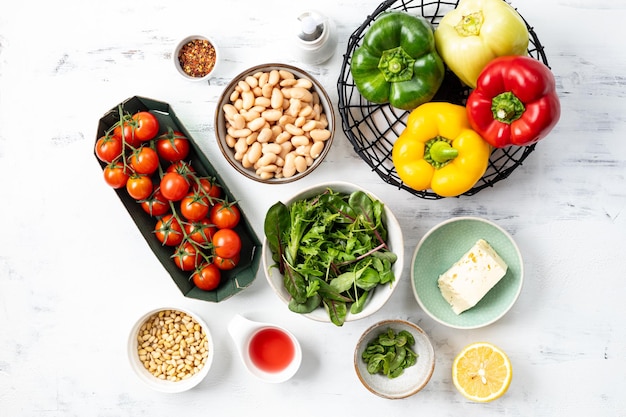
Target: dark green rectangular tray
[{"x": 233, "y": 281}]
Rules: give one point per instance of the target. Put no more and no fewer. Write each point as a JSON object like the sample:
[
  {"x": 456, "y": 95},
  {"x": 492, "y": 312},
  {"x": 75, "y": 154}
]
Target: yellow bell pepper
[
  {"x": 439, "y": 150},
  {"x": 477, "y": 31}
]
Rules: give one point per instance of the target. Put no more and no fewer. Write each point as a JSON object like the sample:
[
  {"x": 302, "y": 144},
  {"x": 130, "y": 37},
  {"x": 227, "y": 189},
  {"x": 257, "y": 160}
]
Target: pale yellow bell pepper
[
  {"x": 477, "y": 31},
  {"x": 438, "y": 150}
]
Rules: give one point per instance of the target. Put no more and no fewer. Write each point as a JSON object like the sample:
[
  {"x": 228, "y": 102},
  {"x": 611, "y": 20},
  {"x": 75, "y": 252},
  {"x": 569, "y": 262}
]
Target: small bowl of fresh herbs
[
  {"x": 333, "y": 252},
  {"x": 394, "y": 359}
]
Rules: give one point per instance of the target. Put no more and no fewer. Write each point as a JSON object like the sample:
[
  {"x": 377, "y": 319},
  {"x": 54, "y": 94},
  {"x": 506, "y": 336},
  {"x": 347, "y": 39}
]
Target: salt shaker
[{"x": 316, "y": 38}]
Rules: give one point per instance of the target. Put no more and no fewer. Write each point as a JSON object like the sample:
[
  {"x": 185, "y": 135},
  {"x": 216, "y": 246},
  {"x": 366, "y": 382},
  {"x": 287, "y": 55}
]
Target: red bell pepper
[{"x": 514, "y": 102}]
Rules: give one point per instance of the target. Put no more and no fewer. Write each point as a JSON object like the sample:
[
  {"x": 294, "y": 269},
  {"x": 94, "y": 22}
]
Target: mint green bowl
[{"x": 445, "y": 244}]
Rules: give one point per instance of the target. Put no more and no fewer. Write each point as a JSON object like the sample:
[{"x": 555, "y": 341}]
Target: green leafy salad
[
  {"x": 390, "y": 353},
  {"x": 331, "y": 250}
]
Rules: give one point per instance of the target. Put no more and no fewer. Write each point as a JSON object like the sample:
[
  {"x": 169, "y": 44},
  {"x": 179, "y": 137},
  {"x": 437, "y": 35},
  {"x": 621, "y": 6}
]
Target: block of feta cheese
[{"x": 472, "y": 276}]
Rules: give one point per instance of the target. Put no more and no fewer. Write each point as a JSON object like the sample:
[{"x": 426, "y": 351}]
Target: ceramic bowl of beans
[
  {"x": 274, "y": 123},
  {"x": 170, "y": 349},
  {"x": 196, "y": 57}
]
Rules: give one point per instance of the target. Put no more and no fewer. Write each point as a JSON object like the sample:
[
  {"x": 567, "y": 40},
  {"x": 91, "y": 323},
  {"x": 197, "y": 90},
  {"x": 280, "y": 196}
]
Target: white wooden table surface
[{"x": 75, "y": 272}]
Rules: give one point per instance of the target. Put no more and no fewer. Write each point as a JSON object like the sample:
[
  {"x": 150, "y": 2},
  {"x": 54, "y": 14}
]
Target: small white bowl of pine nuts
[
  {"x": 170, "y": 349},
  {"x": 274, "y": 123}
]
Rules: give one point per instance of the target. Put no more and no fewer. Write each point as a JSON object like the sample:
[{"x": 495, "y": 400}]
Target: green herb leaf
[
  {"x": 308, "y": 306},
  {"x": 359, "y": 304},
  {"x": 390, "y": 353},
  {"x": 337, "y": 311}
]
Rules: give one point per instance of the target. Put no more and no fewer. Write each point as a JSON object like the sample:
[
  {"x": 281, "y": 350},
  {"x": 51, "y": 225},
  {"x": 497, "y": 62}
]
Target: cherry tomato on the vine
[
  {"x": 125, "y": 132},
  {"x": 144, "y": 160},
  {"x": 156, "y": 205},
  {"x": 201, "y": 231},
  {"x": 224, "y": 215},
  {"x": 145, "y": 125},
  {"x": 116, "y": 175},
  {"x": 226, "y": 264},
  {"x": 226, "y": 243},
  {"x": 174, "y": 186},
  {"x": 139, "y": 187},
  {"x": 209, "y": 187},
  {"x": 172, "y": 146},
  {"x": 169, "y": 231},
  {"x": 207, "y": 277},
  {"x": 194, "y": 207},
  {"x": 187, "y": 257},
  {"x": 108, "y": 148},
  {"x": 183, "y": 168}
]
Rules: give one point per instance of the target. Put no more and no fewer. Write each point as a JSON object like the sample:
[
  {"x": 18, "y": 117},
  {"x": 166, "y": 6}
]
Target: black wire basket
[{"x": 373, "y": 128}]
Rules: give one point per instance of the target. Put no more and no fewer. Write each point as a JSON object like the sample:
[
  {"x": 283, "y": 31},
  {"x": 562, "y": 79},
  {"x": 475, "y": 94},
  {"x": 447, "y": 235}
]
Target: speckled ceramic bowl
[
  {"x": 277, "y": 170},
  {"x": 413, "y": 379},
  {"x": 445, "y": 244}
]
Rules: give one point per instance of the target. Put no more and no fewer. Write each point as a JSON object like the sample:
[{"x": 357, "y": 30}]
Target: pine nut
[{"x": 160, "y": 330}]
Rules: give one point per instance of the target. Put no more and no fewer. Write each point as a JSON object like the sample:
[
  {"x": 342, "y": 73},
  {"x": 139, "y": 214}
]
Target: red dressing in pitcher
[{"x": 271, "y": 350}]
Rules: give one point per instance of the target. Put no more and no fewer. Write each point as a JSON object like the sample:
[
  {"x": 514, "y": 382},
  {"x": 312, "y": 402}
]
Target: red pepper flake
[{"x": 197, "y": 57}]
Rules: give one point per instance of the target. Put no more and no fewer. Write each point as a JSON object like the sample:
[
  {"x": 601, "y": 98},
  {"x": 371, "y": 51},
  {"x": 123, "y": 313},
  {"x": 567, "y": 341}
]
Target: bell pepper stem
[
  {"x": 439, "y": 152},
  {"x": 471, "y": 24},
  {"x": 507, "y": 108},
  {"x": 396, "y": 65}
]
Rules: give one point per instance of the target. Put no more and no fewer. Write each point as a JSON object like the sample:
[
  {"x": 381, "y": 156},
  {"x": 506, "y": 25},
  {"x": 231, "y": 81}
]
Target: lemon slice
[{"x": 482, "y": 372}]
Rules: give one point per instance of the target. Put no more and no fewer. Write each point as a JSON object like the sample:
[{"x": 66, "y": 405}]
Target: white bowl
[
  {"x": 413, "y": 379},
  {"x": 381, "y": 294},
  {"x": 176, "y": 60},
  {"x": 221, "y": 131},
  {"x": 243, "y": 332},
  {"x": 160, "y": 384}
]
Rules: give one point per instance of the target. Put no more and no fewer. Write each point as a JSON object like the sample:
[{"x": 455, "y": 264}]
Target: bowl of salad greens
[
  {"x": 333, "y": 252},
  {"x": 394, "y": 359}
]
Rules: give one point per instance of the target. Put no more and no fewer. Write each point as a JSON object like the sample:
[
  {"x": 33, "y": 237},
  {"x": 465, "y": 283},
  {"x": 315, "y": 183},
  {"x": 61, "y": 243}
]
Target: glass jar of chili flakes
[{"x": 195, "y": 57}]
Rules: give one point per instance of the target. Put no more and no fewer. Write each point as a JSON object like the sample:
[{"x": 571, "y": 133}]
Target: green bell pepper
[{"x": 397, "y": 62}]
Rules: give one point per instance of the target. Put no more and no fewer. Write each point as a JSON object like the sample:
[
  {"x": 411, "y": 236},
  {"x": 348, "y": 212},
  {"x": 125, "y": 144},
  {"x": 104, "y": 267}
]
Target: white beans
[
  {"x": 256, "y": 124},
  {"x": 276, "y": 124},
  {"x": 172, "y": 345}
]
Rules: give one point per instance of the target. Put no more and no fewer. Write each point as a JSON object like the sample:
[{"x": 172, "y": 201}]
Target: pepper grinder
[{"x": 316, "y": 39}]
